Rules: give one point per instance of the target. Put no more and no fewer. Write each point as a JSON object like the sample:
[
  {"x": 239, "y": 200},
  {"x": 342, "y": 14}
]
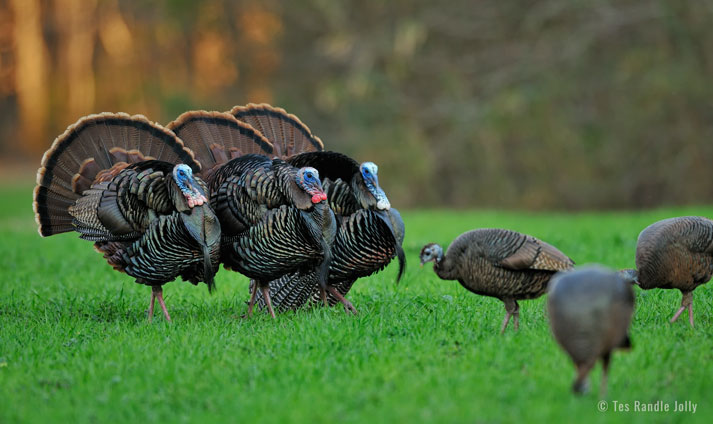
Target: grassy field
[{"x": 75, "y": 345}]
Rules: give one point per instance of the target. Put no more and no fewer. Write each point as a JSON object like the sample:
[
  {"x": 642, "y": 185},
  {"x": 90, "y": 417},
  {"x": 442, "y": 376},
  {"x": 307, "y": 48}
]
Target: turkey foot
[{"x": 347, "y": 304}]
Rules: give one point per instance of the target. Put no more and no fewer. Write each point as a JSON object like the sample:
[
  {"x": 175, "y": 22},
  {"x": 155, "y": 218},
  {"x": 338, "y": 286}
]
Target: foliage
[
  {"x": 535, "y": 104},
  {"x": 75, "y": 345}
]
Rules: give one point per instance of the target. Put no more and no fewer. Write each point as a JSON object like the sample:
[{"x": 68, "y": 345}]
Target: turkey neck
[
  {"x": 286, "y": 181},
  {"x": 362, "y": 194},
  {"x": 179, "y": 201},
  {"x": 445, "y": 268},
  {"x": 321, "y": 222}
]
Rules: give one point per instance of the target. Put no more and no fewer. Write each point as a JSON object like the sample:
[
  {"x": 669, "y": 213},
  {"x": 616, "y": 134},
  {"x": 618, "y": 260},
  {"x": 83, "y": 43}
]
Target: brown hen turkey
[
  {"x": 499, "y": 263},
  {"x": 675, "y": 253},
  {"x": 590, "y": 311}
]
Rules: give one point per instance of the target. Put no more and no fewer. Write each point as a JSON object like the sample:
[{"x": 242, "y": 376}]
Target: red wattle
[
  {"x": 316, "y": 198},
  {"x": 324, "y": 196}
]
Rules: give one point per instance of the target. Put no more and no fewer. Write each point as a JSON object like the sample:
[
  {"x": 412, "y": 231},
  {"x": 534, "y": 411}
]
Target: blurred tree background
[{"x": 529, "y": 104}]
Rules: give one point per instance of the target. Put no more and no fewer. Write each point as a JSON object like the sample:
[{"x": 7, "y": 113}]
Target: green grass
[{"x": 75, "y": 345}]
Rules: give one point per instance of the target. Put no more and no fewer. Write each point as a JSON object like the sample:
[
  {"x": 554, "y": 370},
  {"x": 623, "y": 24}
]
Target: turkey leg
[
  {"x": 253, "y": 293},
  {"x": 347, "y": 304},
  {"x": 157, "y": 293},
  {"x": 266, "y": 294},
  {"x": 512, "y": 309},
  {"x": 605, "y": 370},
  {"x": 580, "y": 383},
  {"x": 686, "y": 303}
]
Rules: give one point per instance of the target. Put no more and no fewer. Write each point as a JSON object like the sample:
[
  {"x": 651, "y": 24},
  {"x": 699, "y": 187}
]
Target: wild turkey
[
  {"x": 370, "y": 232},
  {"x": 499, "y": 263},
  {"x": 675, "y": 253},
  {"x": 590, "y": 310},
  {"x": 274, "y": 216},
  {"x": 127, "y": 184}
]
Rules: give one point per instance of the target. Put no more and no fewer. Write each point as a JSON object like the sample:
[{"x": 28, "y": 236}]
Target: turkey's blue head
[
  {"x": 369, "y": 173},
  {"x": 183, "y": 176},
  {"x": 308, "y": 180}
]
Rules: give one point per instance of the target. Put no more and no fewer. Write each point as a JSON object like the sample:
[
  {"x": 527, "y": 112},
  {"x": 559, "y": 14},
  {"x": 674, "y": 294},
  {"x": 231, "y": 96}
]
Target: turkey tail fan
[
  {"x": 290, "y": 291},
  {"x": 332, "y": 165},
  {"x": 93, "y": 144},
  {"x": 286, "y": 132},
  {"x": 217, "y": 137}
]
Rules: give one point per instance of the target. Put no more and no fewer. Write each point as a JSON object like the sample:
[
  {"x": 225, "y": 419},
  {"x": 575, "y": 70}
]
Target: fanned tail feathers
[
  {"x": 218, "y": 137},
  {"x": 285, "y": 131},
  {"x": 93, "y": 144}
]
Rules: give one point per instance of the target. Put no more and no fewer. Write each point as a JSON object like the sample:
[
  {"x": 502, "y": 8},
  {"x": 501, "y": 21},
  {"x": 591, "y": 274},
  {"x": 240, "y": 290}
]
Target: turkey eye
[
  {"x": 309, "y": 175},
  {"x": 366, "y": 171}
]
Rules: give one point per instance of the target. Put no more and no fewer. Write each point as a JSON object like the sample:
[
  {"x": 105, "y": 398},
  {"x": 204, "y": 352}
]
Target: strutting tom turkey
[
  {"x": 274, "y": 216},
  {"x": 369, "y": 232},
  {"x": 128, "y": 185},
  {"x": 499, "y": 263},
  {"x": 369, "y": 235}
]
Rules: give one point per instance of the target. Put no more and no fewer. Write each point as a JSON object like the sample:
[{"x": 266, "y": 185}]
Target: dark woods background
[{"x": 528, "y": 104}]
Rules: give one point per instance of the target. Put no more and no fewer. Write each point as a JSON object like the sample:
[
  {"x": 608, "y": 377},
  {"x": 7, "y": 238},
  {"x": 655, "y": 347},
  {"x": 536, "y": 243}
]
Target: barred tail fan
[
  {"x": 286, "y": 132},
  {"x": 218, "y": 137},
  {"x": 94, "y": 144},
  {"x": 290, "y": 291},
  {"x": 332, "y": 165}
]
